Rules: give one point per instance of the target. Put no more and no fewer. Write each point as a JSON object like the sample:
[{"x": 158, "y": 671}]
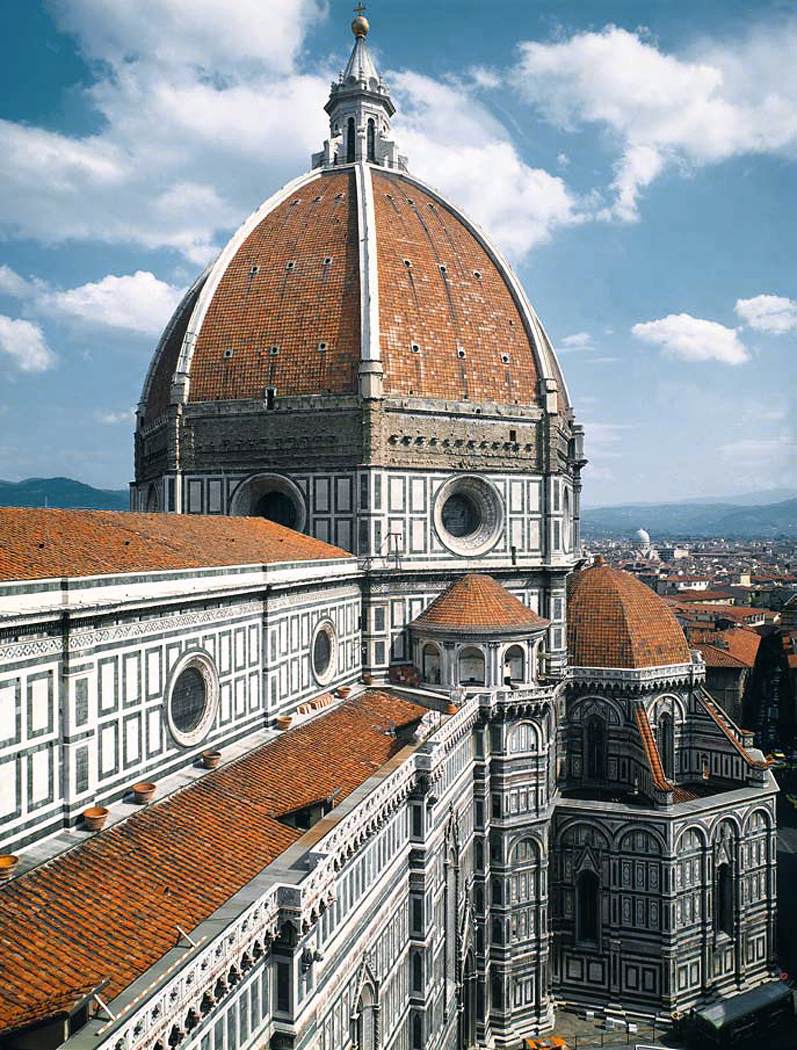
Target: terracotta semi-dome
[
  {"x": 356, "y": 268},
  {"x": 614, "y": 620},
  {"x": 478, "y": 604}
]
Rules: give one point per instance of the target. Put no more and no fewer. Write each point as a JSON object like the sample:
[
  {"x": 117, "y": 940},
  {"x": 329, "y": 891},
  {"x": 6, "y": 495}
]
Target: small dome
[
  {"x": 478, "y": 604},
  {"x": 614, "y": 620}
]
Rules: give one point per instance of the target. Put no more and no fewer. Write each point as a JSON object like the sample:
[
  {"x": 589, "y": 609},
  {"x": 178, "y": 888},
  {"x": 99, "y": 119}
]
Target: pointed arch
[
  {"x": 588, "y": 906},
  {"x": 595, "y": 748}
]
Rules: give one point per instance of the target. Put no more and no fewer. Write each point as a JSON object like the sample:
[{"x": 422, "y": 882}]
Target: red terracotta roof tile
[
  {"x": 477, "y": 603},
  {"x": 109, "y": 908},
  {"x": 614, "y": 620},
  {"x": 39, "y": 544},
  {"x": 651, "y": 749},
  {"x": 451, "y": 297},
  {"x": 738, "y": 647},
  {"x": 294, "y": 283},
  {"x": 728, "y": 728}
]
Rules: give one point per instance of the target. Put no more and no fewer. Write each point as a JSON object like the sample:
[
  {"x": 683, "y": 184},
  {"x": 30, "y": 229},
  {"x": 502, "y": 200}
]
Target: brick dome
[
  {"x": 347, "y": 265},
  {"x": 614, "y": 620},
  {"x": 478, "y": 604}
]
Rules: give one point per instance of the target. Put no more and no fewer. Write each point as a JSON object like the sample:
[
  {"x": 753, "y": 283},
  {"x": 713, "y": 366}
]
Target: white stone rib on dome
[{"x": 166, "y": 335}]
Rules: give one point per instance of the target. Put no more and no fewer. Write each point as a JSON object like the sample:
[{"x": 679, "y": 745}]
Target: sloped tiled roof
[
  {"x": 478, "y": 604},
  {"x": 738, "y": 648},
  {"x": 650, "y": 747},
  {"x": 614, "y": 620},
  {"x": 36, "y": 543},
  {"x": 109, "y": 908},
  {"x": 728, "y": 728}
]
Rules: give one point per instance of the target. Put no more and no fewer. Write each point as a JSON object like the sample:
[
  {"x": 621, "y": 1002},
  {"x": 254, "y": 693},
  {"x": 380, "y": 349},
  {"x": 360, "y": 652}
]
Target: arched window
[
  {"x": 723, "y": 910},
  {"x": 366, "y": 1020},
  {"x": 567, "y": 522},
  {"x": 371, "y": 140},
  {"x": 451, "y": 917},
  {"x": 277, "y": 506},
  {"x": 541, "y": 659},
  {"x": 470, "y": 992},
  {"x": 514, "y": 665},
  {"x": 587, "y": 906},
  {"x": 430, "y": 664},
  {"x": 350, "y": 137},
  {"x": 666, "y": 742},
  {"x": 471, "y": 666},
  {"x": 417, "y": 1032},
  {"x": 595, "y": 748},
  {"x": 417, "y": 972}
]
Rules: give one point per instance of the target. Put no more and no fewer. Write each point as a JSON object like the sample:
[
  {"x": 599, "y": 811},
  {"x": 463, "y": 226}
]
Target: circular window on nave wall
[
  {"x": 468, "y": 514},
  {"x": 323, "y": 652},
  {"x": 193, "y": 699}
]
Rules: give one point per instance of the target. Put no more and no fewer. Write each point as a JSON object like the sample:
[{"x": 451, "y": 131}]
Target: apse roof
[
  {"x": 614, "y": 620},
  {"x": 479, "y": 604}
]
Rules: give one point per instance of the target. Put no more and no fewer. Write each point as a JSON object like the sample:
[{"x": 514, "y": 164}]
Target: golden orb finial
[{"x": 360, "y": 24}]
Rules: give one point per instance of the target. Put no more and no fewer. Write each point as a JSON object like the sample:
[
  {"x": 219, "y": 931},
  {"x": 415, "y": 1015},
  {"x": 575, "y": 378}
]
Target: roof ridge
[{"x": 651, "y": 749}]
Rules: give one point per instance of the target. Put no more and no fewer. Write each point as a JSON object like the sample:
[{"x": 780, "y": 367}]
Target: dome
[
  {"x": 478, "y": 604},
  {"x": 299, "y": 300},
  {"x": 614, "y": 620},
  {"x": 643, "y": 536}
]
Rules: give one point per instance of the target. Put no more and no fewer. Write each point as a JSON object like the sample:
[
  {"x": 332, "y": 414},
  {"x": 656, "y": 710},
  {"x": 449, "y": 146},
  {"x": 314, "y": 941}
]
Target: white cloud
[
  {"x": 484, "y": 78},
  {"x": 768, "y": 313},
  {"x": 112, "y": 418},
  {"x": 693, "y": 339},
  {"x": 211, "y": 34},
  {"x": 453, "y": 141},
  {"x": 136, "y": 302},
  {"x": 15, "y": 286},
  {"x": 576, "y": 341},
  {"x": 24, "y": 342},
  {"x": 769, "y": 452},
  {"x": 203, "y": 111},
  {"x": 663, "y": 109}
]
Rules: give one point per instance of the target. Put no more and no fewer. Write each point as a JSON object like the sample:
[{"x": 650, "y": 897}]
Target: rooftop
[
  {"x": 614, "y": 620},
  {"x": 737, "y": 647},
  {"x": 36, "y": 543},
  {"x": 109, "y": 908},
  {"x": 479, "y": 604}
]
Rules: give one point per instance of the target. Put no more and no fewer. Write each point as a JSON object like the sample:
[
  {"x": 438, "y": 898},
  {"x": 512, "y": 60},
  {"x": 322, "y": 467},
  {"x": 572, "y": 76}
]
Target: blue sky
[{"x": 635, "y": 160}]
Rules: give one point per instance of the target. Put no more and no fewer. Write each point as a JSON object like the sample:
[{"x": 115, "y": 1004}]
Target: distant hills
[
  {"x": 662, "y": 520},
  {"x": 61, "y": 492}
]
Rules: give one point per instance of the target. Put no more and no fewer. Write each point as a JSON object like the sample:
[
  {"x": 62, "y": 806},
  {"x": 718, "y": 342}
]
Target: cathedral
[{"x": 337, "y": 740}]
